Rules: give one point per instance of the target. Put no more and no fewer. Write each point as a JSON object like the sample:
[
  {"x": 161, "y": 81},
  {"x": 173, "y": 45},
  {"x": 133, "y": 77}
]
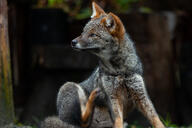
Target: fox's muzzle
[{"x": 82, "y": 44}]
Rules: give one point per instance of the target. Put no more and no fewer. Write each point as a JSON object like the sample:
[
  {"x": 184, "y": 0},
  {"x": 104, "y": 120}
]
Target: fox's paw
[{"x": 94, "y": 94}]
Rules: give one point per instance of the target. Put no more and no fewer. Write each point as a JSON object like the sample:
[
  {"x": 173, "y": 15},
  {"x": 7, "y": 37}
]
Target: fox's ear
[
  {"x": 97, "y": 10},
  {"x": 114, "y": 25}
]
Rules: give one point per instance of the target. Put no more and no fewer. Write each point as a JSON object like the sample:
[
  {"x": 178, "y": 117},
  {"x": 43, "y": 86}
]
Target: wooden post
[{"x": 6, "y": 95}]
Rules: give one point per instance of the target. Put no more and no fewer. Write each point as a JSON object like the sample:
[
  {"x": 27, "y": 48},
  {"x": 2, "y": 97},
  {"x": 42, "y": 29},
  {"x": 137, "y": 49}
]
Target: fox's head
[{"x": 103, "y": 34}]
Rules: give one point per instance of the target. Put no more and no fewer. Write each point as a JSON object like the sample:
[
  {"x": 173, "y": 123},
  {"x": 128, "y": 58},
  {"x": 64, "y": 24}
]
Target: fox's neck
[{"x": 123, "y": 61}]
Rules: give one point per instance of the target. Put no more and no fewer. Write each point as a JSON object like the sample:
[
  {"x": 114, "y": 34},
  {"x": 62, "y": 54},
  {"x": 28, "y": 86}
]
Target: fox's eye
[{"x": 92, "y": 35}]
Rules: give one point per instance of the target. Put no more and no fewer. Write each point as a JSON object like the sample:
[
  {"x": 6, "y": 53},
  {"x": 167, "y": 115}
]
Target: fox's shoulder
[{"x": 91, "y": 82}]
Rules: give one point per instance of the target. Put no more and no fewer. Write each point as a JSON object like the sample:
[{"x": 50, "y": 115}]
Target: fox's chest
[
  {"x": 115, "y": 87},
  {"x": 112, "y": 84}
]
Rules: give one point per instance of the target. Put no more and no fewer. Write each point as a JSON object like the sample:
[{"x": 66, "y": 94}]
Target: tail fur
[{"x": 55, "y": 122}]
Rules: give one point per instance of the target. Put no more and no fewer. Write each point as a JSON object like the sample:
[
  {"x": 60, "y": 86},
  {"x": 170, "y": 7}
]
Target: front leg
[
  {"x": 139, "y": 95},
  {"x": 113, "y": 90},
  {"x": 116, "y": 111}
]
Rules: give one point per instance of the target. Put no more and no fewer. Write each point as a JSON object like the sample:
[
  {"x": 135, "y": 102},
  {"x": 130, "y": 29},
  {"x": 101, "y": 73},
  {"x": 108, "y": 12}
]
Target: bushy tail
[{"x": 55, "y": 122}]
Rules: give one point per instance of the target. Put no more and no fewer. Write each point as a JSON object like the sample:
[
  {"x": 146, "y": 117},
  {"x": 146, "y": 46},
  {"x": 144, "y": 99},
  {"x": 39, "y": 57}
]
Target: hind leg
[
  {"x": 139, "y": 95},
  {"x": 73, "y": 105},
  {"x": 87, "y": 112}
]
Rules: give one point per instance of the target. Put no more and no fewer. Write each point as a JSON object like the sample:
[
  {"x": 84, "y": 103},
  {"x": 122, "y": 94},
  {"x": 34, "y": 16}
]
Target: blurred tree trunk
[{"x": 6, "y": 96}]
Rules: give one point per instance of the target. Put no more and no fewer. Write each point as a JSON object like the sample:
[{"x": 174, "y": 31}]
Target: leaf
[
  {"x": 145, "y": 10},
  {"x": 51, "y": 2},
  {"x": 84, "y": 13}
]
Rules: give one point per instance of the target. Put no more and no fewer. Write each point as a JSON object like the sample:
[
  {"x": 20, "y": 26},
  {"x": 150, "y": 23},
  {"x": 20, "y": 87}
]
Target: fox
[{"x": 117, "y": 84}]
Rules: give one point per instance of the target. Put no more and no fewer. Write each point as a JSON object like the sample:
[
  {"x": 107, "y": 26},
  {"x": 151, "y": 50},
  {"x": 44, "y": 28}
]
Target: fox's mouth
[{"x": 94, "y": 49}]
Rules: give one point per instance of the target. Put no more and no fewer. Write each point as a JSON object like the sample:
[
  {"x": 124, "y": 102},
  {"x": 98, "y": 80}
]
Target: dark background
[{"x": 42, "y": 59}]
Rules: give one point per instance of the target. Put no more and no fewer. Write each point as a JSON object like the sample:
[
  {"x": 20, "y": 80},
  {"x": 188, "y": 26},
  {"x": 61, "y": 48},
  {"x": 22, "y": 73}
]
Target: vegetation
[
  {"x": 168, "y": 123},
  {"x": 76, "y": 8}
]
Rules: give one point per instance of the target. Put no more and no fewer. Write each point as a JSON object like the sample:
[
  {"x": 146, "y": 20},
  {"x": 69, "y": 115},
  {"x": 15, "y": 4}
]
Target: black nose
[{"x": 73, "y": 43}]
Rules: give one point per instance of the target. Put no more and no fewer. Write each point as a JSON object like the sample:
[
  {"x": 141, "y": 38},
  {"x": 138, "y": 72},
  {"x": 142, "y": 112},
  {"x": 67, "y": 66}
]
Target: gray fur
[
  {"x": 119, "y": 75},
  {"x": 55, "y": 122},
  {"x": 68, "y": 105}
]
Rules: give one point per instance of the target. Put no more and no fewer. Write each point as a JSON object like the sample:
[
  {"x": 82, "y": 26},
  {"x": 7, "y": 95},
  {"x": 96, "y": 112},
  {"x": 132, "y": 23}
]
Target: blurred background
[{"x": 40, "y": 58}]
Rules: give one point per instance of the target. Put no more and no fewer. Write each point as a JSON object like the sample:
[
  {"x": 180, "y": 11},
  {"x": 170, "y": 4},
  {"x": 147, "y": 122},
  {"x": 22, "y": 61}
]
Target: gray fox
[{"x": 117, "y": 83}]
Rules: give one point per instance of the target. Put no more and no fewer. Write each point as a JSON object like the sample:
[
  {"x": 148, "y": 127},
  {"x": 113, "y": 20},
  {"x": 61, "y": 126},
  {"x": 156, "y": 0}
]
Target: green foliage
[
  {"x": 168, "y": 122},
  {"x": 75, "y": 10},
  {"x": 123, "y": 2},
  {"x": 72, "y": 8},
  {"x": 145, "y": 10},
  {"x": 84, "y": 13},
  {"x": 135, "y": 125},
  {"x": 23, "y": 125},
  {"x": 51, "y": 2},
  {"x": 125, "y": 5}
]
